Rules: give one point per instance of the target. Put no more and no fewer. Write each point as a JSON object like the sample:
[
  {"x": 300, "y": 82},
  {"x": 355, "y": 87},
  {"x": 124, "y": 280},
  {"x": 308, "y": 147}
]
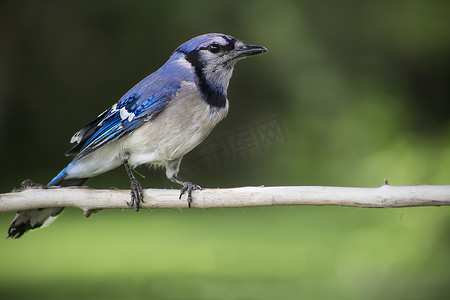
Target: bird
[{"x": 157, "y": 122}]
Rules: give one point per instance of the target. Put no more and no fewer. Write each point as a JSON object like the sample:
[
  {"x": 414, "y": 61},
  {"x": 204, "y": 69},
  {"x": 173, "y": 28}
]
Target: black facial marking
[{"x": 212, "y": 96}]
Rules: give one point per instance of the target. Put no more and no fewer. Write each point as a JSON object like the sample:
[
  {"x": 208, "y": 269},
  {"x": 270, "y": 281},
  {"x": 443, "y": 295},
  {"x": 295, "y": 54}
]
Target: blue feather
[
  {"x": 141, "y": 104},
  {"x": 58, "y": 177},
  {"x": 194, "y": 43}
]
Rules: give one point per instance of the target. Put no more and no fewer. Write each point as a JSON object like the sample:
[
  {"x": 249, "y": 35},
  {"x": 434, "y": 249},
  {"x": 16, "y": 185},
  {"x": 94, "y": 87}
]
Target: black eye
[{"x": 214, "y": 48}]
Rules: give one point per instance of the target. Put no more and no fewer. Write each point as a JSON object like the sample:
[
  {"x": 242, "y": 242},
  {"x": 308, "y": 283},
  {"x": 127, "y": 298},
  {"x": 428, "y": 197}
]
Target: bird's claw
[
  {"x": 189, "y": 187},
  {"x": 137, "y": 196}
]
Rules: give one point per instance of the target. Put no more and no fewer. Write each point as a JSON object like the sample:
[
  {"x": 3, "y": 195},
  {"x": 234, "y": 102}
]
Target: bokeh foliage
[{"x": 361, "y": 89}]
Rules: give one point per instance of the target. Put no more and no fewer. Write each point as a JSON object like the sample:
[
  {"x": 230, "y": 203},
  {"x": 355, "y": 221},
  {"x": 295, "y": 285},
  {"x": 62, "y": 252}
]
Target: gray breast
[{"x": 185, "y": 123}]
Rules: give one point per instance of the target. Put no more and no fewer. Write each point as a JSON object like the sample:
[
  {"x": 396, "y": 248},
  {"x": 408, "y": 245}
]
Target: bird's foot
[
  {"x": 189, "y": 187},
  {"x": 137, "y": 196}
]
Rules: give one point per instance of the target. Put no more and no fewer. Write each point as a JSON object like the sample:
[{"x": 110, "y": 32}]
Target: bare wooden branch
[{"x": 90, "y": 200}]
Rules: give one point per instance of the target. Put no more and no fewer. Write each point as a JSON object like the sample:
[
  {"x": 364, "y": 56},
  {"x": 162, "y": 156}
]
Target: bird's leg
[
  {"x": 187, "y": 187},
  {"x": 137, "y": 196}
]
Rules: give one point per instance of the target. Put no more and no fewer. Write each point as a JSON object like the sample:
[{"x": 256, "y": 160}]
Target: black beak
[{"x": 248, "y": 50}]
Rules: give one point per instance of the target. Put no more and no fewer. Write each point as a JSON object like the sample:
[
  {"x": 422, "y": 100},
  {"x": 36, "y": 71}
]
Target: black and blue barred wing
[{"x": 121, "y": 119}]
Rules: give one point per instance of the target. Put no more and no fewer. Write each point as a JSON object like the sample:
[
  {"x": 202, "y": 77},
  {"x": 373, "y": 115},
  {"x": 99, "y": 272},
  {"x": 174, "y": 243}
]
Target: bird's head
[{"x": 213, "y": 57}]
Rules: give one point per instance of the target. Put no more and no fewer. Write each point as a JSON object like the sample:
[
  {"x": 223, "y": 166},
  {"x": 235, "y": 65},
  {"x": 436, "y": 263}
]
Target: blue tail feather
[{"x": 59, "y": 177}]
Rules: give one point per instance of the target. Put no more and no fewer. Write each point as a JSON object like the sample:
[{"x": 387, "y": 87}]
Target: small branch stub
[
  {"x": 87, "y": 212},
  {"x": 92, "y": 200}
]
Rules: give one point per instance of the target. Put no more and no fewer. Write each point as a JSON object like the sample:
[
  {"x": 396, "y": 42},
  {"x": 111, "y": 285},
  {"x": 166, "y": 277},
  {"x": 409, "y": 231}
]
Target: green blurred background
[{"x": 359, "y": 89}]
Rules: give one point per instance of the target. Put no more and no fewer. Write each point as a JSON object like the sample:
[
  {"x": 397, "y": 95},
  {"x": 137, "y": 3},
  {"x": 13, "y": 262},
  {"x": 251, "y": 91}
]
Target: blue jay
[{"x": 157, "y": 122}]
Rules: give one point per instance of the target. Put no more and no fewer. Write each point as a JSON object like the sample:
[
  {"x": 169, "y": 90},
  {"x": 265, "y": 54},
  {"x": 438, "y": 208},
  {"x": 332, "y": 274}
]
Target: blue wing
[{"x": 132, "y": 110}]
